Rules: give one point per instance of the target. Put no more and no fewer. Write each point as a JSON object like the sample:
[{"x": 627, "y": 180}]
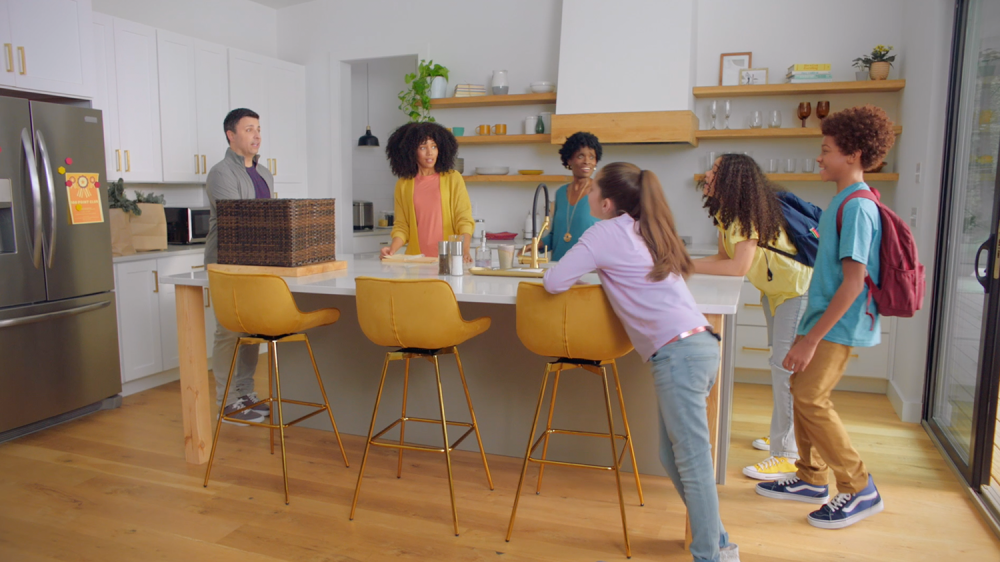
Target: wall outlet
[
  {"x": 686, "y": 240},
  {"x": 917, "y": 175},
  {"x": 913, "y": 217}
]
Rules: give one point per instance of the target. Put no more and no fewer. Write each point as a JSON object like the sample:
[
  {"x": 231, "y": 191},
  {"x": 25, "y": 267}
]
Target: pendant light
[{"x": 368, "y": 139}]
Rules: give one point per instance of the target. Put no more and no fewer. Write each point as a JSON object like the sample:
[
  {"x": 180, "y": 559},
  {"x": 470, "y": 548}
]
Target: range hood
[{"x": 629, "y": 127}]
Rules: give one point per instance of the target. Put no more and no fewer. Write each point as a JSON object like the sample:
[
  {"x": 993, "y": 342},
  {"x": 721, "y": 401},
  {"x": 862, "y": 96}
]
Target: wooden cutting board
[{"x": 300, "y": 271}]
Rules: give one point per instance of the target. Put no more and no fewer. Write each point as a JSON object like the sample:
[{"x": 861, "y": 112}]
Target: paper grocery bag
[
  {"x": 149, "y": 230},
  {"x": 121, "y": 233}
]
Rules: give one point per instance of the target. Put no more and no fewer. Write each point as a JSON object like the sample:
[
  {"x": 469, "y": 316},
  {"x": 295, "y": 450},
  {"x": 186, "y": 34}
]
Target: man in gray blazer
[{"x": 237, "y": 176}]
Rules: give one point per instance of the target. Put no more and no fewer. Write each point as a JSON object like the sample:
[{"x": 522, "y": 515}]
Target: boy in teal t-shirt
[{"x": 837, "y": 319}]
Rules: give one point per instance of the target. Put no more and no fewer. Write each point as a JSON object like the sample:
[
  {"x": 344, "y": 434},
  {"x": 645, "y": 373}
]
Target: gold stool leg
[
  {"x": 281, "y": 421},
  {"x": 475, "y": 424},
  {"x": 222, "y": 410},
  {"x": 368, "y": 442},
  {"x": 548, "y": 428},
  {"x": 402, "y": 424},
  {"x": 270, "y": 395},
  {"x": 614, "y": 459},
  {"x": 326, "y": 401},
  {"x": 447, "y": 448},
  {"x": 527, "y": 453},
  {"x": 628, "y": 432}
]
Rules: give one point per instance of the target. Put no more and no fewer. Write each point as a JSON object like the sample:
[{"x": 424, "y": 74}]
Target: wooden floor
[{"x": 114, "y": 487}]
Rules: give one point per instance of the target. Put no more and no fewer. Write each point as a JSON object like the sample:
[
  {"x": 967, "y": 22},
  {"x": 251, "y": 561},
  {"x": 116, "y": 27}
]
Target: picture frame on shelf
[
  {"x": 753, "y": 76},
  {"x": 730, "y": 65}
]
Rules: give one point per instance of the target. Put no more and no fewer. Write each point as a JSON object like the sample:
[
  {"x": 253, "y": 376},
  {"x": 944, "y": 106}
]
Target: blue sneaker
[
  {"x": 794, "y": 489},
  {"x": 847, "y": 509}
]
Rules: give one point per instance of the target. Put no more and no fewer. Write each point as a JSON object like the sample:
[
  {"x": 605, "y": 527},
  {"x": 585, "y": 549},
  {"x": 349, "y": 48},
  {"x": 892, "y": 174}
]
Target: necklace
[{"x": 569, "y": 224}]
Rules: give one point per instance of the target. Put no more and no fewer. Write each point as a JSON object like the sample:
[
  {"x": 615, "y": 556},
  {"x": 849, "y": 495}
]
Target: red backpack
[{"x": 900, "y": 291}]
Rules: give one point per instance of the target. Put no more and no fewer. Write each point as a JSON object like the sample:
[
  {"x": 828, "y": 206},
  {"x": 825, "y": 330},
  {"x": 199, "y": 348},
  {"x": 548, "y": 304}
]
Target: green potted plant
[
  {"x": 878, "y": 62},
  {"x": 415, "y": 101},
  {"x": 861, "y": 74}
]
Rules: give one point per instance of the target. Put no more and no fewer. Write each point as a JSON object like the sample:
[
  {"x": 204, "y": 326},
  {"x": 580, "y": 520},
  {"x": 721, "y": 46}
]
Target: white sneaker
[
  {"x": 729, "y": 553},
  {"x": 763, "y": 443}
]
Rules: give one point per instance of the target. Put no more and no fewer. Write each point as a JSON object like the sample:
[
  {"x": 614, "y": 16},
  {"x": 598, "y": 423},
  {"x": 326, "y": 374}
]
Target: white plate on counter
[{"x": 493, "y": 171}]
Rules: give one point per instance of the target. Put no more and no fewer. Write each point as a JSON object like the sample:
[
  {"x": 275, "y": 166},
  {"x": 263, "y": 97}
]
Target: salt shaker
[
  {"x": 443, "y": 265},
  {"x": 455, "y": 258}
]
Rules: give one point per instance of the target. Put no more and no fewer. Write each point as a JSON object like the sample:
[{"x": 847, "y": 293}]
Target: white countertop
[
  {"x": 171, "y": 251},
  {"x": 714, "y": 294}
]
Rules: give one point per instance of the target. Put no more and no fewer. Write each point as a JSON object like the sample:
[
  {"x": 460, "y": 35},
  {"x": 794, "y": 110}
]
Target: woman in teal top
[{"x": 580, "y": 154}]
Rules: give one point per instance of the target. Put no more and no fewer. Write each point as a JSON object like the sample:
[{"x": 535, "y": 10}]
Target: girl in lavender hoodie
[{"x": 642, "y": 265}]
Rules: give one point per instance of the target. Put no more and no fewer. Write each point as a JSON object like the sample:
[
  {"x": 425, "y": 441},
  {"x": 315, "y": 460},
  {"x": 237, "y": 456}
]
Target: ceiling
[{"x": 279, "y": 4}]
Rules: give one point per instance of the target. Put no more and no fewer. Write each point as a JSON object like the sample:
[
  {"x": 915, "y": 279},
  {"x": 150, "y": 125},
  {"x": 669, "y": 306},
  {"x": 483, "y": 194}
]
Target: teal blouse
[{"x": 581, "y": 221}]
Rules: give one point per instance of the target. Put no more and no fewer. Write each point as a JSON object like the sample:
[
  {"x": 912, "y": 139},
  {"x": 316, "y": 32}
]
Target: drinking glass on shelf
[
  {"x": 790, "y": 165},
  {"x": 772, "y": 166},
  {"x": 775, "y": 119},
  {"x": 728, "y": 107},
  {"x": 756, "y": 120},
  {"x": 805, "y": 110},
  {"x": 808, "y": 165},
  {"x": 711, "y": 160},
  {"x": 822, "y": 109},
  {"x": 715, "y": 108}
]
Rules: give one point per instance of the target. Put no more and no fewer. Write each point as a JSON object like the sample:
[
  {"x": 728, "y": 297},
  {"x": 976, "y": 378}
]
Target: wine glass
[
  {"x": 775, "y": 119},
  {"x": 728, "y": 107},
  {"x": 822, "y": 109},
  {"x": 756, "y": 120},
  {"x": 715, "y": 107},
  {"x": 805, "y": 110}
]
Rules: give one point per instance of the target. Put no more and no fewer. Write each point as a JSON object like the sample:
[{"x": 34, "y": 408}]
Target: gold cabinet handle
[
  {"x": 276, "y": 166},
  {"x": 752, "y": 305},
  {"x": 764, "y": 349},
  {"x": 24, "y": 64},
  {"x": 197, "y": 170},
  {"x": 197, "y": 267},
  {"x": 996, "y": 260},
  {"x": 156, "y": 281},
  {"x": 853, "y": 356},
  {"x": 128, "y": 162},
  {"x": 118, "y": 158},
  {"x": 208, "y": 298},
  {"x": 10, "y": 56},
  {"x": 204, "y": 168}
]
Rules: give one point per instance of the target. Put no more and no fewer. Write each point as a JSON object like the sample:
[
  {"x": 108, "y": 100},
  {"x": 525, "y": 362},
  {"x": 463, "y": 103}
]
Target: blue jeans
[
  {"x": 781, "y": 330},
  {"x": 683, "y": 374}
]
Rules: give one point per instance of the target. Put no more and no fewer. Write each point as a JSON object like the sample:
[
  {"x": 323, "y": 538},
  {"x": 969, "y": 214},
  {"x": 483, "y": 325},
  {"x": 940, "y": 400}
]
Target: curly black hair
[
  {"x": 401, "y": 150},
  {"x": 575, "y": 142},
  {"x": 743, "y": 193},
  {"x": 866, "y": 128}
]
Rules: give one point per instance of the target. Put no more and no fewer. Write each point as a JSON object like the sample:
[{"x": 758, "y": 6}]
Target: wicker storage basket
[{"x": 276, "y": 232}]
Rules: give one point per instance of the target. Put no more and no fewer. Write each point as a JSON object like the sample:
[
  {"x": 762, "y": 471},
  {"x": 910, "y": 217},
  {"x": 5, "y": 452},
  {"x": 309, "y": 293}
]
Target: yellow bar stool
[
  {"x": 419, "y": 317},
  {"x": 262, "y": 305},
  {"x": 581, "y": 329}
]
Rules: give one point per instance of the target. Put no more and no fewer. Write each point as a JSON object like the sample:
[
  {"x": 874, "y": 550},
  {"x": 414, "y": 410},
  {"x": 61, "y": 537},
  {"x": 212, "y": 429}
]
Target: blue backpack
[{"x": 803, "y": 228}]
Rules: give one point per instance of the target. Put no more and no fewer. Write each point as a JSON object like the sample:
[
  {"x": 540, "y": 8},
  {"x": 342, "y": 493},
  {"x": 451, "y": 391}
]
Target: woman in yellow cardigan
[{"x": 431, "y": 200}]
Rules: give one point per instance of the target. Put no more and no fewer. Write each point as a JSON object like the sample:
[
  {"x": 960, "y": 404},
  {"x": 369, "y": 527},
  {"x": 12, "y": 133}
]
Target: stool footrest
[
  {"x": 574, "y": 464},
  {"x": 415, "y": 446},
  {"x": 541, "y": 438},
  {"x": 319, "y": 409}
]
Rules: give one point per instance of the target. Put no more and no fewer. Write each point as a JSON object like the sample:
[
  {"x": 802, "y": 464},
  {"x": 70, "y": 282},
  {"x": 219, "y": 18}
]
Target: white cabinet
[
  {"x": 129, "y": 98},
  {"x": 276, "y": 90},
  {"x": 194, "y": 100},
  {"x": 47, "y": 46},
  {"x": 138, "y": 302},
  {"x": 370, "y": 242},
  {"x": 147, "y": 313}
]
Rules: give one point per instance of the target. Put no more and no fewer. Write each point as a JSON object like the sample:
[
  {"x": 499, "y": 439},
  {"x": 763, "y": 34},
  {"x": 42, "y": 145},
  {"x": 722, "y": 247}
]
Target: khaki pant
[{"x": 820, "y": 434}]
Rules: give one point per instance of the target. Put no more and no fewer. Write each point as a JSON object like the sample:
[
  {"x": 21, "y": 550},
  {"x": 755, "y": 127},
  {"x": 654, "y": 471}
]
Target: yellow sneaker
[
  {"x": 774, "y": 468},
  {"x": 763, "y": 443}
]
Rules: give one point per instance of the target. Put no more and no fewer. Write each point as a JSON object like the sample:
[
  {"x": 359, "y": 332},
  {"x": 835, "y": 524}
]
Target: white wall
[
  {"x": 234, "y": 23},
  {"x": 629, "y": 55}
]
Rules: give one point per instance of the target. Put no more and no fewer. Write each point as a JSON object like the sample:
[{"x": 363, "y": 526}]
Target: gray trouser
[
  {"x": 781, "y": 330},
  {"x": 222, "y": 357}
]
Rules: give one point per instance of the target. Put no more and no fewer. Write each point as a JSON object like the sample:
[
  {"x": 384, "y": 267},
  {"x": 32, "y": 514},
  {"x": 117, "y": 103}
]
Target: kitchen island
[{"x": 503, "y": 376}]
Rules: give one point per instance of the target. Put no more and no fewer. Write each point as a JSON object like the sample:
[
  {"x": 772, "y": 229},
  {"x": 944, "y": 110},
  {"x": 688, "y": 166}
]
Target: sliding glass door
[{"x": 961, "y": 409}]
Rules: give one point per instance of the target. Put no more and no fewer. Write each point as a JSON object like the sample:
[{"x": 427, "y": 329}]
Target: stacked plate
[
  {"x": 493, "y": 171},
  {"x": 542, "y": 87}
]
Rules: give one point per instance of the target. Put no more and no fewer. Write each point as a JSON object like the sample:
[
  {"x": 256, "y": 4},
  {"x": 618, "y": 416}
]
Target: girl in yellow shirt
[{"x": 744, "y": 206}]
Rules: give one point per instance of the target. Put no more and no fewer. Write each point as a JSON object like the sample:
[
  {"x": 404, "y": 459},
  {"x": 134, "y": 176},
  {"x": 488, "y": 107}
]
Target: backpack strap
[{"x": 874, "y": 196}]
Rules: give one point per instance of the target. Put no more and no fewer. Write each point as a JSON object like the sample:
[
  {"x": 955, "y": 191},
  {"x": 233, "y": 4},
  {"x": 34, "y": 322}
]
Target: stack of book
[
  {"x": 469, "y": 90},
  {"x": 809, "y": 73}
]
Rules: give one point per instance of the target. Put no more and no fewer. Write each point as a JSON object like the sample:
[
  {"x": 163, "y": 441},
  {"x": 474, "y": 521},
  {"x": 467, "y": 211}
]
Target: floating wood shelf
[
  {"x": 779, "y": 133},
  {"x": 505, "y": 139},
  {"x": 493, "y": 101},
  {"x": 517, "y": 178},
  {"x": 814, "y": 177},
  {"x": 870, "y": 86}
]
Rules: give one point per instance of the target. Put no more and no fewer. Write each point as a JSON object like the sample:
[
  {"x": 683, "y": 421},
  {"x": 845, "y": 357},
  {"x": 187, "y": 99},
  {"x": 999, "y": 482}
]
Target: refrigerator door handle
[
  {"x": 43, "y": 151},
  {"x": 52, "y": 315},
  {"x": 36, "y": 197}
]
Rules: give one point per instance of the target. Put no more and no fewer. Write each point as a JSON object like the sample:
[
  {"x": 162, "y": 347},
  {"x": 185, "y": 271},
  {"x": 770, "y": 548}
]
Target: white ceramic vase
[{"x": 439, "y": 87}]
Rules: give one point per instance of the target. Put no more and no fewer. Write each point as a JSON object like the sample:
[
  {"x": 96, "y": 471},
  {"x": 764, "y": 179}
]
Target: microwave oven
[{"x": 187, "y": 225}]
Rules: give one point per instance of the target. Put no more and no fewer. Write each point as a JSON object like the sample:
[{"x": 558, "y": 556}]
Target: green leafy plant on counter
[
  {"x": 879, "y": 54},
  {"x": 150, "y": 197},
  {"x": 118, "y": 200},
  {"x": 415, "y": 101}
]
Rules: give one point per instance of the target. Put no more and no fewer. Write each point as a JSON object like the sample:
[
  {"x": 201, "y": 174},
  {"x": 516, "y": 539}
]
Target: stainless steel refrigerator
[{"x": 58, "y": 326}]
